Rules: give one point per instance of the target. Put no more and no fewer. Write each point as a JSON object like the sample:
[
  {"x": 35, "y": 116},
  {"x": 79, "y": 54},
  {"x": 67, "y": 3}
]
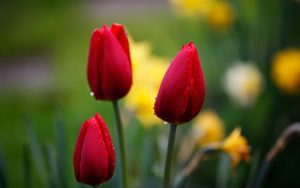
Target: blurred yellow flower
[
  {"x": 207, "y": 128},
  {"x": 148, "y": 71},
  {"x": 220, "y": 15},
  {"x": 217, "y": 13},
  {"x": 286, "y": 70},
  {"x": 243, "y": 82},
  {"x": 236, "y": 146},
  {"x": 192, "y": 8}
]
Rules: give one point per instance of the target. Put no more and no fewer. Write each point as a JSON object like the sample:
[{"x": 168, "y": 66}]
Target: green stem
[
  {"x": 121, "y": 143},
  {"x": 95, "y": 186},
  {"x": 263, "y": 173},
  {"x": 169, "y": 155},
  {"x": 192, "y": 164}
]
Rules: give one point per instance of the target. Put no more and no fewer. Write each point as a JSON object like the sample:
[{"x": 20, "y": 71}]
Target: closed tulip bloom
[
  {"x": 182, "y": 90},
  {"x": 109, "y": 66},
  {"x": 94, "y": 157}
]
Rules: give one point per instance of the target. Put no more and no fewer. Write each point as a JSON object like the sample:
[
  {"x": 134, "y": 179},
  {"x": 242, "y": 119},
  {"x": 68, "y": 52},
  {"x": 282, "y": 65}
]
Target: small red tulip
[
  {"x": 94, "y": 157},
  {"x": 182, "y": 91},
  {"x": 109, "y": 66}
]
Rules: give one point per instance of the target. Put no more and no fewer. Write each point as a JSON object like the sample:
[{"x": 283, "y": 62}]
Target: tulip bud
[
  {"x": 182, "y": 91},
  {"x": 94, "y": 157},
  {"x": 109, "y": 66}
]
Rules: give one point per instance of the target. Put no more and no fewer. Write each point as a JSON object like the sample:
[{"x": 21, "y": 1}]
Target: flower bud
[
  {"x": 109, "y": 66},
  {"x": 94, "y": 156},
  {"x": 182, "y": 90}
]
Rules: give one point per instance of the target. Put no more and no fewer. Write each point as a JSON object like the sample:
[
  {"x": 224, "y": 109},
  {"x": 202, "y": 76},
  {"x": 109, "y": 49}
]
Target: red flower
[
  {"x": 182, "y": 90},
  {"x": 94, "y": 157},
  {"x": 109, "y": 66}
]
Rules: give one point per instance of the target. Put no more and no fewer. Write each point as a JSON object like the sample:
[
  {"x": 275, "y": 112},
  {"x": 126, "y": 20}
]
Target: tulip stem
[
  {"x": 121, "y": 143},
  {"x": 169, "y": 158}
]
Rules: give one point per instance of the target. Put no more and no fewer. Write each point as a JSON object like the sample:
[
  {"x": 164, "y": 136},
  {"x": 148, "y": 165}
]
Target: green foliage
[{"x": 40, "y": 155}]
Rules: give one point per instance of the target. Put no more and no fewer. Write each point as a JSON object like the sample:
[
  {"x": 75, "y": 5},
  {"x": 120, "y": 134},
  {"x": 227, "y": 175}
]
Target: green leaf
[
  {"x": 253, "y": 169},
  {"x": 223, "y": 171},
  {"x": 27, "y": 167},
  {"x": 52, "y": 162},
  {"x": 36, "y": 152},
  {"x": 60, "y": 136},
  {"x": 3, "y": 171}
]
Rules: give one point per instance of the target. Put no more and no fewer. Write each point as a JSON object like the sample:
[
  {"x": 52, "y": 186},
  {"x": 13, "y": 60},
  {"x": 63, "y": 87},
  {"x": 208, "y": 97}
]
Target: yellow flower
[
  {"x": 148, "y": 71},
  {"x": 207, "y": 128},
  {"x": 236, "y": 146},
  {"x": 217, "y": 13},
  {"x": 220, "y": 15},
  {"x": 286, "y": 70},
  {"x": 243, "y": 82},
  {"x": 192, "y": 8}
]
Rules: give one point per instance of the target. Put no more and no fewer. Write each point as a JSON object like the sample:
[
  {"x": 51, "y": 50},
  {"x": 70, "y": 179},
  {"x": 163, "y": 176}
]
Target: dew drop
[
  {"x": 92, "y": 93},
  {"x": 165, "y": 123}
]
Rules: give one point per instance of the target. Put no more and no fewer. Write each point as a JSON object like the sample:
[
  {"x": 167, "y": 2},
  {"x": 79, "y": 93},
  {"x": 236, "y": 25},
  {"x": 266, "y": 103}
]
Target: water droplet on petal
[
  {"x": 165, "y": 123},
  {"x": 92, "y": 93}
]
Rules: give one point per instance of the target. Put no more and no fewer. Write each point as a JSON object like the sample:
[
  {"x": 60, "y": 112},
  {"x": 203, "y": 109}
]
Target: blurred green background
[{"x": 43, "y": 56}]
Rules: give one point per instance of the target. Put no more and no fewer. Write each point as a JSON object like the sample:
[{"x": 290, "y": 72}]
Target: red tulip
[
  {"x": 94, "y": 157},
  {"x": 182, "y": 90},
  {"x": 109, "y": 66}
]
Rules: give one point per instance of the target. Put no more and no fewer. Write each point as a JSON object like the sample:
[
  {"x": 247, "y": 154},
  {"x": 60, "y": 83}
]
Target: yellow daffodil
[
  {"x": 148, "y": 71},
  {"x": 207, "y": 128},
  {"x": 217, "y": 13},
  {"x": 192, "y": 8},
  {"x": 236, "y": 146},
  {"x": 243, "y": 82},
  {"x": 286, "y": 70},
  {"x": 220, "y": 15}
]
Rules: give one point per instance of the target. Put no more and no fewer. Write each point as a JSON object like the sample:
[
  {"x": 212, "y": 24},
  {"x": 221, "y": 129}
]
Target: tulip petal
[
  {"x": 94, "y": 156},
  {"x": 119, "y": 32},
  {"x": 109, "y": 146},
  {"x": 172, "y": 96},
  {"x": 109, "y": 69},
  {"x": 182, "y": 90},
  {"x": 115, "y": 70},
  {"x": 93, "y": 62},
  {"x": 78, "y": 150},
  {"x": 197, "y": 88}
]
